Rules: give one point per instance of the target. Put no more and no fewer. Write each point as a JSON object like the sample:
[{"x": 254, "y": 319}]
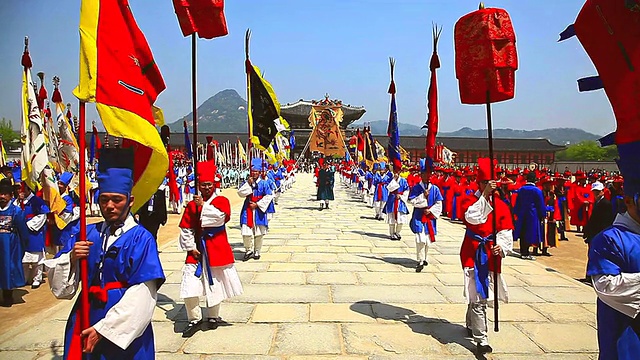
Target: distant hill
[
  {"x": 224, "y": 112},
  {"x": 558, "y": 136}
]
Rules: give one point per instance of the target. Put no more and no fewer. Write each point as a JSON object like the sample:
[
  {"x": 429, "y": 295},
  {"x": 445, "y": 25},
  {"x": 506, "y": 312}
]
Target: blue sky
[{"x": 341, "y": 47}]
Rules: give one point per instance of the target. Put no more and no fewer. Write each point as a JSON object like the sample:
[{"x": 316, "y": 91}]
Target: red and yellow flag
[{"x": 119, "y": 74}]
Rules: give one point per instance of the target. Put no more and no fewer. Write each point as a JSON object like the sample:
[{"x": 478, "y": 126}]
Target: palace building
[{"x": 509, "y": 152}]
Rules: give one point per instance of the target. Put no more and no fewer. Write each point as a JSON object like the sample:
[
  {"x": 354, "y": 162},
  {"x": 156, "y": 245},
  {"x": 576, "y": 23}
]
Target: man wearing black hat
[{"x": 124, "y": 272}]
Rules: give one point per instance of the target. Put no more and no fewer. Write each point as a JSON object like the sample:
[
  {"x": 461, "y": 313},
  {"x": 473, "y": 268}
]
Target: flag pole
[
  {"x": 496, "y": 264},
  {"x": 84, "y": 266},
  {"x": 194, "y": 110},
  {"x": 247, "y": 63}
]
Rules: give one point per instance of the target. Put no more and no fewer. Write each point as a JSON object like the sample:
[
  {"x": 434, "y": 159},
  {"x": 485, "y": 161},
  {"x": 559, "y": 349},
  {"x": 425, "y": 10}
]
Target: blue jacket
[{"x": 260, "y": 189}]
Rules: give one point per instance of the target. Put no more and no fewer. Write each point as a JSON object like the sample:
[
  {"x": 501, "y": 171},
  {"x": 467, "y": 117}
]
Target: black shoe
[
  {"x": 321, "y": 207},
  {"x": 256, "y": 256},
  {"x": 419, "y": 267},
  {"x": 399, "y": 237},
  {"x": 394, "y": 237},
  {"x": 191, "y": 329},
  {"x": 484, "y": 349},
  {"x": 546, "y": 253},
  {"x": 210, "y": 324},
  {"x": 564, "y": 239},
  {"x": 248, "y": 255},
  {"x": 327, "y": 206},
  {"x": 35, "y": 285}
]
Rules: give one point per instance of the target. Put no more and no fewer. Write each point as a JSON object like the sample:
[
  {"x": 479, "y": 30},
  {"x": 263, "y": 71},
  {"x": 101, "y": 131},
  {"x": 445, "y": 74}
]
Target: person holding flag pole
[
  {"x": 489, "y": 236},
  {"x": 397, "y": 213},
  {"x": 114, "y": 262}
]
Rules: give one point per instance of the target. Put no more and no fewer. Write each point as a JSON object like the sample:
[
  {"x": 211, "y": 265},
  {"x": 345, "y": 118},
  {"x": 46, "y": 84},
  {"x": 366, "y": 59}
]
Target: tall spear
[
  {"x": 481, "y": 81},
  {"x": 432, "y": 97}
]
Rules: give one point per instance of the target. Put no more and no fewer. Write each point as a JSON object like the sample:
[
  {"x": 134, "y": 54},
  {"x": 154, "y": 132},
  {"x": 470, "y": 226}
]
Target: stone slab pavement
[{"x": 331, "y": 285}]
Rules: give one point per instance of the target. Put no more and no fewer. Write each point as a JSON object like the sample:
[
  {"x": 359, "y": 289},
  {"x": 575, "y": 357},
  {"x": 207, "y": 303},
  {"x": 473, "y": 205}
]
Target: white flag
[{"x": 34, "y": 148}]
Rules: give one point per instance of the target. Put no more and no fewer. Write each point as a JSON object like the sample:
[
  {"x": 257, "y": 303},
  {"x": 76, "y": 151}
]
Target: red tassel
[{"x": 57, "y": 98}]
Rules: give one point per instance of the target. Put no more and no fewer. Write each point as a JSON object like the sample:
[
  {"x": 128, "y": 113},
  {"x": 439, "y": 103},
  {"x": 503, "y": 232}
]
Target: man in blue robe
[
  {"x": 253, "y": 216},
  {"x": 70, "y": 215},
  {"x": 396, "y": 206},
  {"x": 32, "y": 228},
  {"x": 11, "y": 271},
  {"x": 427, "y": 208},
  {"x": 530, "y": 210},
  {"x": 124, "y": 273},
  {"x": 614, "y": 267},
  {"x": 380, "y": 192}
]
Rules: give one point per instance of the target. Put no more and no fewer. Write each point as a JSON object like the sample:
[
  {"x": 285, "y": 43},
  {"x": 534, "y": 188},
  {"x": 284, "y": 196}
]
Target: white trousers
[
  {"x": 422, "y": 248},
  {"x": 32, "y": 272},
  {"x": 192, "y": 305},
  {"x": 377, "y": 206},
  {"x": 252, "y": 243},
  {"x": 476, "y": 320},
  {"x": 395, "y": 229}
]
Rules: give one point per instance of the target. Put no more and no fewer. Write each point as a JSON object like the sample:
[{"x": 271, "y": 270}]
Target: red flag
[
  {"x": 206, "y": 17},
  {"x": 432, "y": 119},
  {"x": 360, "y": 140},
  {"x": 119, "y": 74},
  {"x": 98, "y": 143}
]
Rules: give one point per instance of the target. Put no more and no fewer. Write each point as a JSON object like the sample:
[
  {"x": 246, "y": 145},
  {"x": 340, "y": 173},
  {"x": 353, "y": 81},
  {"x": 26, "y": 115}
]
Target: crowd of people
[
  {"x": 533, "y": 207},
  {"x": 497, "y": 206}
]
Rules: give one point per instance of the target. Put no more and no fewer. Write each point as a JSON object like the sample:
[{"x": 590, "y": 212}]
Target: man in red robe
[
  {"x": 479, "y": 251},
  {"x": 209, "y": 269}
]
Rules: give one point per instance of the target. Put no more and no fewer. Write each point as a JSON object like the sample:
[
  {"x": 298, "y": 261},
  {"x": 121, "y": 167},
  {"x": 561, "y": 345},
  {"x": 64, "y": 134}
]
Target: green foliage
[
  {"x": 588, "y": 151},
  {"x": 10, "y": 137}
]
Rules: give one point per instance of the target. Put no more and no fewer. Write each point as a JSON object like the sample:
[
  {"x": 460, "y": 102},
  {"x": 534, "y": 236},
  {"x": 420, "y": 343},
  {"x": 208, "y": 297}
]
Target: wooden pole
[
  {"x": 496, "y": 263},
  {"x": 194, "y": 109},
  {"x": 84, "y": 265}
]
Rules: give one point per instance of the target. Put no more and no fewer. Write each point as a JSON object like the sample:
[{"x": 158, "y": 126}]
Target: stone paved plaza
[{"x": 331, "y": 285}]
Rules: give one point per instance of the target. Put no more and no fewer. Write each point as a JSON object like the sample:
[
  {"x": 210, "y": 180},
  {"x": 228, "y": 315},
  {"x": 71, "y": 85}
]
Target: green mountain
[
  {"x": 558, "y": 136},
  {"x": 224, "y": 112}
]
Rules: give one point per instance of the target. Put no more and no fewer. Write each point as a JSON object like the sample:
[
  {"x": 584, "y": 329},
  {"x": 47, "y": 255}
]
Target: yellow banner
[{"x": 326, "y": 137}]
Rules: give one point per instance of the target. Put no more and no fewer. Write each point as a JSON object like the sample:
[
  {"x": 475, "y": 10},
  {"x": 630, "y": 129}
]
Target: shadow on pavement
[
  {"x": 364, "y": 233},
  {"x": 443, "y": 331},
  {"x": 406, "y": 262},
  {"x": 304, "y": 208},
  {"x": 57, "y": 350}
]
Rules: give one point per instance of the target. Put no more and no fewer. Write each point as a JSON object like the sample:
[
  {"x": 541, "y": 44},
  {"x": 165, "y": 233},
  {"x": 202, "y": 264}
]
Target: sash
[
  {"x": 204, "y": 256},
  {"x": 481, "y": 263},
  {"x": 250, "y": 219},
  {"x": 426, "y": 219},
  {"x": 379, "y": 192}
]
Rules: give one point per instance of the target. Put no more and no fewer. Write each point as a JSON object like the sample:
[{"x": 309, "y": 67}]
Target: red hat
[
  {"x": 484, "y": 169},
  {"x": 207, "y": 171},
  {"x": 618, "y": 179}
]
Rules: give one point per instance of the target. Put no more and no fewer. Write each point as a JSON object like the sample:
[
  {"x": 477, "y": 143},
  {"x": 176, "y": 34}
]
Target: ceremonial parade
[{"x": 258, "y": 229}]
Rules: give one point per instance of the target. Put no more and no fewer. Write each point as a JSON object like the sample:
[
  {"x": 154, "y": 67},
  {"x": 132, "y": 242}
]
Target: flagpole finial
[
  {"x": 41, "y": 77},
  {"x": 56, "y": 81},
  {"x": 481, "y": 6},
  {"x": 69, "y": 106},
  {"x": 26, "y": 43}
]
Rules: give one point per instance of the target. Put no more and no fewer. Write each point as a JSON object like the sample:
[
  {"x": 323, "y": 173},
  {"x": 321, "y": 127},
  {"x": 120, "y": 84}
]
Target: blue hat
[
  {"x": 426, "y": 165},
  {"x": 630, "y": 167},
  {"x": 65, "y": 178},
  {"x": 257, "y": 164},
  {"x": 115, "y": 170},
  {"x": 383, "y": 165},
  {"x": 17, "y": 174}
]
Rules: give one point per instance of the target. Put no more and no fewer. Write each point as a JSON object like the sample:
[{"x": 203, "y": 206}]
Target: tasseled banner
[
  {"x": 116, "y": 142},
  {"x": 42, "y": 93},
  {"x": 75, "y": 126},
  {"x": 57, "y": 97},
  {"x": 26, "y": 59},
  {"x": 392, "y": 86},
  {"x": 106, "y": 140}
]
